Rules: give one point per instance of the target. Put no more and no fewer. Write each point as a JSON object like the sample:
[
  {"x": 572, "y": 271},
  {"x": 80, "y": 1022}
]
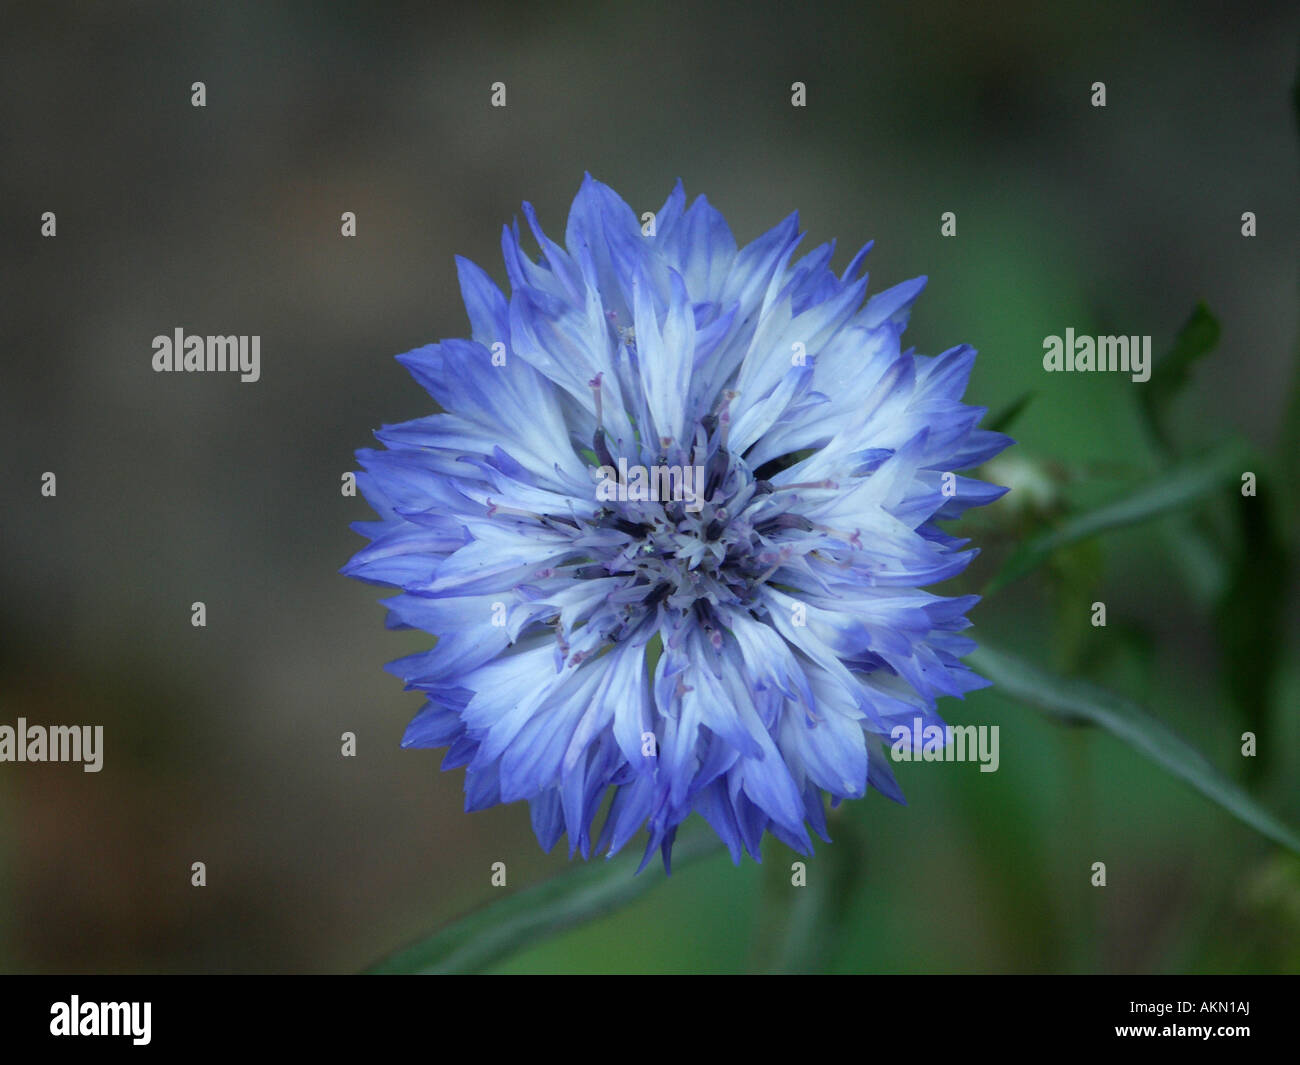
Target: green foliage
[
  {"x": 580, "y": 894},
  {"x": 1074, "y": 701},
  {"x": 1250, "y": 616},
  {"x": 1005, "y": 418},
  {"x": 1170, "y": 375},
  {"x": 1171, "y": 490}
]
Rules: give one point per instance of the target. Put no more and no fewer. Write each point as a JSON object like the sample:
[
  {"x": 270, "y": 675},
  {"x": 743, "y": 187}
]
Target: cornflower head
[{"x": 671, "y": 527}]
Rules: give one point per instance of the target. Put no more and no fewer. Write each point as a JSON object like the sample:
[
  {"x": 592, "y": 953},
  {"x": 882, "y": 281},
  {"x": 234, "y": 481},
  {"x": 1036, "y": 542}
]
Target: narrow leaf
[
  {"x": 1250, "y": 618},
  {"x": 815, "y": 920},
  {"x": 500, "y": 929},
  {"x": 1072, "y": 700},
  {"x": 1197, "y": 338},
  {"x": 1001, "y": 421},
  {"x": 1170, "y": 490}
]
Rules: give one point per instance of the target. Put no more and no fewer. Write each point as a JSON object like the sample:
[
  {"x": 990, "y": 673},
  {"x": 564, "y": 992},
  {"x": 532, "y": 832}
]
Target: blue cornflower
[{"x": 671, "y": 529}]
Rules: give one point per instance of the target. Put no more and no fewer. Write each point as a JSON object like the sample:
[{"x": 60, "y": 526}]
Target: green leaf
[
  {"x": 803, "y": 931},
  {"x": 1250, "y": 617},
  {"x": 1001, "y": 421},
  {"x": 1288, "y": 451},
  {"x": 586, "y": 891},
  {"x": 1074, "y": 701},
  {"x": 1197, "y": 338},
  {"x": 1075, "y": 572},
  {"x": 1170, "y": 490}
]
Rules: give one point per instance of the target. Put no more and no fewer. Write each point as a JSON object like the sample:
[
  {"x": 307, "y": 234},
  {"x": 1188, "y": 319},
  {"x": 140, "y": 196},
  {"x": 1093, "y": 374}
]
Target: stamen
[
  {"x": 828, "y": 483},
  {"x": 724, "y": 417},
  {"x": 598, "y": 442},
  {"x": 494, "y": 509},
  {"x": 783, "y": 556},
  {"x": 594, "y": 385},
  {"x": 853, "y": 539}
]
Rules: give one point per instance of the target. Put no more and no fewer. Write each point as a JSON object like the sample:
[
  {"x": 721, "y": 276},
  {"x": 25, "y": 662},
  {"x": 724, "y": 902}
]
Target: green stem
[{"x": 580, "y": 894}]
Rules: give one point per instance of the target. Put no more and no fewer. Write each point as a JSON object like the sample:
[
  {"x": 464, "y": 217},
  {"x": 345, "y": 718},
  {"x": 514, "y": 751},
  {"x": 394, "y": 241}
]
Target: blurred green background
[{"x": 222, "y": 744}]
